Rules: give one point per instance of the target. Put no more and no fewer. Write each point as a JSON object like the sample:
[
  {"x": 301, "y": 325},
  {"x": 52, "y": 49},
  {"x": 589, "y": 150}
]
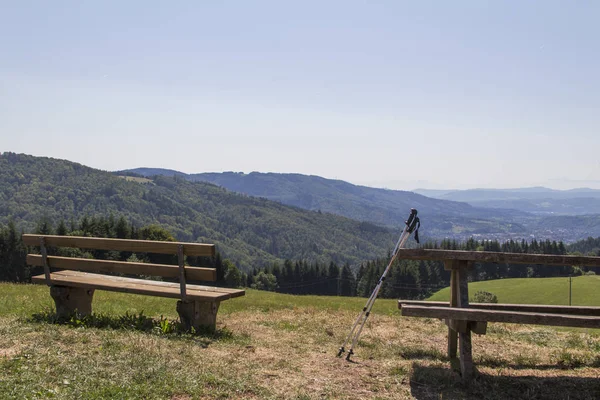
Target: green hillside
[
  {"x": 250, "y": 231},
  {"x": 554, "y": 291}
]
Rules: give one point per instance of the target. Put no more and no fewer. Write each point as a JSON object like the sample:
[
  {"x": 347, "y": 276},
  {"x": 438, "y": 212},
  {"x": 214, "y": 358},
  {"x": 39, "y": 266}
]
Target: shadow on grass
[
  {"x": 565, "y": 360},
  {"x": 419, "y": 353},
  {"x": 171, "y": 329},
  {"x": 540, "y": 367},
  {"x": 429, "y": 382}
]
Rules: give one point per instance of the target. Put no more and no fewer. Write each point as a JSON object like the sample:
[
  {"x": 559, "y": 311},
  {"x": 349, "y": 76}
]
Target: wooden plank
[
  {"x": 454, "y": 288},
  {"x": 455, "y": 327},
  {"x": 539, "y": 308},
  {"x": 479, "y": 327},
  {"x": 493, "y": 257},
  {"x": 514, "y": 317},
  {"x": 231, "y": 292},
  {"x": 137, "y": 246},
  {"x": 464, "y": 338},
  {"x": 182, "y": 272},
  {"x": 44, "y": 257},
  {"x": 452, "y": 327},
  {"x": 89, "y": 265},
  {"x": 137, "y": 286}
]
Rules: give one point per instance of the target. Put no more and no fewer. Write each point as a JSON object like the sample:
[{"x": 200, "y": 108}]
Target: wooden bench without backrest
[
  {"x": 72, "y": 286},
  {"x": 463, "y": 318}
]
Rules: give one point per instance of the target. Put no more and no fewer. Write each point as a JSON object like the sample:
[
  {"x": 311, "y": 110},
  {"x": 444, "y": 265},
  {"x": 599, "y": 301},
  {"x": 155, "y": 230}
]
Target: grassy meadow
[
  {"x": 554, "y": 291},
  {"x": 275, "y": 346}
]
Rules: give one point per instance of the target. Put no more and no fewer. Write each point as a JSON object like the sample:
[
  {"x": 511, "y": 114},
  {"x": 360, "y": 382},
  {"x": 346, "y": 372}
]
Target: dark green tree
[
  {"x": 233, "y": 276},
  {"x": 264, "y": 281},
  {"x": 347, "y": 282}
]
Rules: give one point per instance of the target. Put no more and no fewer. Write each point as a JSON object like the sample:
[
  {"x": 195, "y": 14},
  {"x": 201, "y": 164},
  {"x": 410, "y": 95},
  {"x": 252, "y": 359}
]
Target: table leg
[
  {"x": 466, "y": 356},
  {"x": 452, "y": 334}
]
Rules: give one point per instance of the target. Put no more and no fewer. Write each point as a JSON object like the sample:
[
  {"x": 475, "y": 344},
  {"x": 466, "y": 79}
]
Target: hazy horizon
[
  {"x": 355, "y": 183},
  {"x": 399, "y": 95},
  {"x": 334, "y": 178}
]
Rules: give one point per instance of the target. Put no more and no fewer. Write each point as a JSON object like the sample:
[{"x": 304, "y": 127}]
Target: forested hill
[
  {"x": 336, "y": 196},
  {"x": 380, "y": 206},
  {"x": 250, "y": 231}
]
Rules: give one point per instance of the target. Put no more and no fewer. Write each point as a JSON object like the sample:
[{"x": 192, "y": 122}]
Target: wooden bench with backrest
[
  {"x": 73, "y": 283},
  {"x": 463, "y": 318}
]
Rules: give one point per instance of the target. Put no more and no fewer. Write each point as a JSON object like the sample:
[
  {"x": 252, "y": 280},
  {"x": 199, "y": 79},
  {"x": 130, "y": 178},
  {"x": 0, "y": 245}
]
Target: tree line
[{"x": 410, "y": 279}]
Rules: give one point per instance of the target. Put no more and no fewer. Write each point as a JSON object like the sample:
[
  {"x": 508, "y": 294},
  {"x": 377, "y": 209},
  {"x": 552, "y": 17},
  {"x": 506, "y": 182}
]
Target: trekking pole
[{"x": 412, "y": 225}]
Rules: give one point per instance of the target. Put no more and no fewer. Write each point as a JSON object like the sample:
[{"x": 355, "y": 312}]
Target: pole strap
[{"x": 417, "y": 230}]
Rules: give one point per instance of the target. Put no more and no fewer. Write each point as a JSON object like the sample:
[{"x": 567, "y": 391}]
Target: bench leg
[
  {"x": 200, "y": 315},
  {"x": 70, "y": 301}
]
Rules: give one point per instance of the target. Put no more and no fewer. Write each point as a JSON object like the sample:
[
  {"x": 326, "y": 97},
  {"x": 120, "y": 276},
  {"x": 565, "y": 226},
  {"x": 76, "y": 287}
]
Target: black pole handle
[
  {"x": 413, "y": 223},
  {"x": 412, "y": 220}
]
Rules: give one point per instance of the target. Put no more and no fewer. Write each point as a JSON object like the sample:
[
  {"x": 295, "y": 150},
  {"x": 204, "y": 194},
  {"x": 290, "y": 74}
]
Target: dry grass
[
  {"x": 404, "y": 358},
  {"x": 290, "y": 353}
]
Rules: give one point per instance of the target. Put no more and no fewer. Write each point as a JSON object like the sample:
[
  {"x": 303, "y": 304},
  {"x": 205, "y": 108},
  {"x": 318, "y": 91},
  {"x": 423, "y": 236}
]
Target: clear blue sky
[{"x": 397, "y": 94}]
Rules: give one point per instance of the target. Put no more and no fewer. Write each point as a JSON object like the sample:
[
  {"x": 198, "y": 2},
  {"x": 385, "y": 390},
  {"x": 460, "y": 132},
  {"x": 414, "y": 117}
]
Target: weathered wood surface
[
  {"x": 452, "y": 327},
  {"x": 181, "y": 266},
  {"x": 72, "y": 300},
  {"x": 198, "y": 315},
  {"x": 44, "y": 257},
  {"x": 90, "y": 265},
  {"x": 138, "y": 286},
  {"x": 538, "y": 308},
  {"x": 455, "y": 326},
  {"x": 139, "y": 246},
  {"x": 471, "y": 314},
  {"x": 493, "y": 257},
  {"x": 479, "y": 327},
  {"x": 465, "y": 348}
]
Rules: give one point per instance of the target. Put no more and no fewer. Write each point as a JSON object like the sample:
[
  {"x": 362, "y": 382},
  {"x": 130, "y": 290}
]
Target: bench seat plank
[
  {"x": 470, "y": 314},
  {"x": 139, "y": 286},
  {"x": 91, "y": 265},
  {"x": 541, "y": 308}
]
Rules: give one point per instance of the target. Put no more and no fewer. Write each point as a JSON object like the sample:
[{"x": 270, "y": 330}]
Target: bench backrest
[{"x": 135, "y": 268}]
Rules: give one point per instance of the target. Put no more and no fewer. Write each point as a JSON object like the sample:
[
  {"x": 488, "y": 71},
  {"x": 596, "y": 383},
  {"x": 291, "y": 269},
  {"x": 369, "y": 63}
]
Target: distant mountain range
[
  {"x": 312, "y": 218},
  {"x": 536, "y": 200},
  {"x": 443, "y": 215},
  {"x": 380, "y": 206}
]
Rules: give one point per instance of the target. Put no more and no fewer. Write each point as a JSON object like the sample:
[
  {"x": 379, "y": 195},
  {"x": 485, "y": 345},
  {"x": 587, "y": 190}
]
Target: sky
[{"x": 394, "y": 94}]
